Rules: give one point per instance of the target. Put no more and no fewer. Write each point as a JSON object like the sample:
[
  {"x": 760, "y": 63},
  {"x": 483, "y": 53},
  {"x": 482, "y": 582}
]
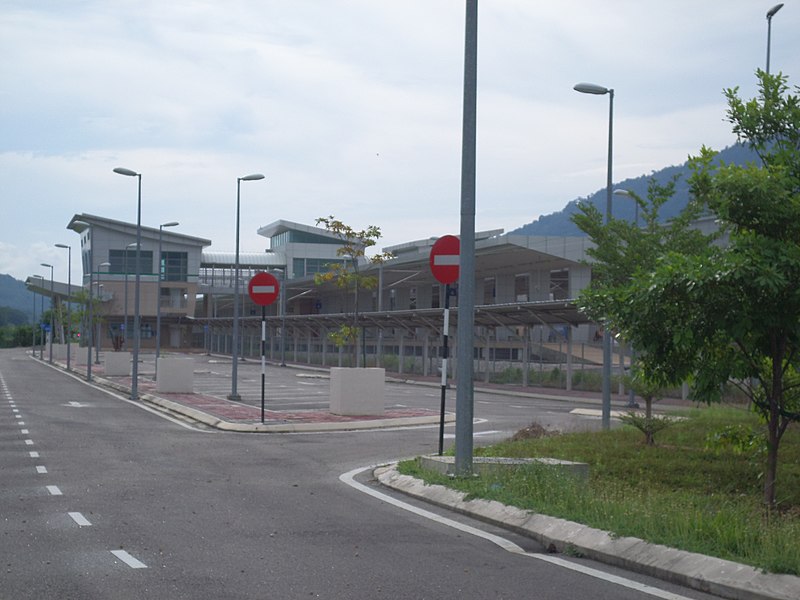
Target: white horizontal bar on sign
[
  {"x": 446, "y": 260},
  {"x": 263, "y": 289}
]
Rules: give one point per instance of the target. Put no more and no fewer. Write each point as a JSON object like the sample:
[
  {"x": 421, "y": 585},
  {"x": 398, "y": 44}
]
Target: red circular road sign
[
  {"x": 444, "y": 259},
  {"x": 263, "y": 288}
]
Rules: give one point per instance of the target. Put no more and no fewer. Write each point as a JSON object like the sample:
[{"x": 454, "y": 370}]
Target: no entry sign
[
  {"x": 444, "y": 259},
  {"x": 263, "y": 288}
]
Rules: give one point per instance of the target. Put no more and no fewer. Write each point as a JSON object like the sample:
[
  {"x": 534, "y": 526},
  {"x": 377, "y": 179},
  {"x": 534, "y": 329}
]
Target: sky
[{"x": 350, "y": 108}]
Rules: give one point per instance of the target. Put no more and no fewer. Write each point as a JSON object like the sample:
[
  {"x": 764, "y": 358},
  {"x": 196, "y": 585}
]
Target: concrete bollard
[
  {"x": 357, "y": 391},
  {"x": 175, "y": 375},
  {"x": 118, "y": 364}
]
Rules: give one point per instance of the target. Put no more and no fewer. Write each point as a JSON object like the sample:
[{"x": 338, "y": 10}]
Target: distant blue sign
[{"x": 45, "y": 327}]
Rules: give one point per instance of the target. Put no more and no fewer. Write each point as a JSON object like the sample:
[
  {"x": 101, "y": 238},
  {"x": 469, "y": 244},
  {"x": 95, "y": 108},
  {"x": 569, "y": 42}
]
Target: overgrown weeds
[{"x": 683, "y": 493}]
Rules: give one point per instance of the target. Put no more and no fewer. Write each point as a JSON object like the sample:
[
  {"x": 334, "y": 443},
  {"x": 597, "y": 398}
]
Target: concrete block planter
[
  {"x": 357, "y": 391},
  {"x": 175, "y": 375},
  {"x": 118, "y": 364}
]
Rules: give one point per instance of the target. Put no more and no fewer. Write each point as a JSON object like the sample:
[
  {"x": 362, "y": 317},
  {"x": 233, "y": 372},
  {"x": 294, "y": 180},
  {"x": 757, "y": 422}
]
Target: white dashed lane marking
[
  {"x": 79, "y": 519},
  {"x": 54, "y": 491},
  {"x": 129, "y": 560},
  {"x": 40, "y": 469}
]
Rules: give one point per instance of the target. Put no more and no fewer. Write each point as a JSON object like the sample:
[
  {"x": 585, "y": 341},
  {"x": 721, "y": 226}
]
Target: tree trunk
[
  {"x": 774, "y": 399},
  {"x": 649, "y": 436}
]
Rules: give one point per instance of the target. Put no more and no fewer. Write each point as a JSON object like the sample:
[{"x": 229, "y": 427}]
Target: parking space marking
[
  {"x": 129, "y": 560},
  {"x": 79, "y": 519}
]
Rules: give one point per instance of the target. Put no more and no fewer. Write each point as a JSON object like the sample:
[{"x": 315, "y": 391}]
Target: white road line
[
  {"x": 21, "y": 423},
  {"x": 29, "y": 442},
  {"x": 129, "y": 560},
  {"x": 15, "y": 410},
  {"x": 508, "y": 545},
  {"x": 17, "y": 416},
  {"x": 79, "y": 519},
  {"x": 34, "y": 454},
  {"x": 24, "y": 431},
  {"x": 54, "y": 491},
  {"x": 41, "y": 469}
]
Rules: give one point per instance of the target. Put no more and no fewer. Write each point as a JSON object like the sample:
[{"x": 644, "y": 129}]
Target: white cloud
[{"x": 350, "y": 107}]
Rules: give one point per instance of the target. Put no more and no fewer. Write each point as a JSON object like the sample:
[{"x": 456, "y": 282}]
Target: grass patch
[{"x": 688, "y": 492}]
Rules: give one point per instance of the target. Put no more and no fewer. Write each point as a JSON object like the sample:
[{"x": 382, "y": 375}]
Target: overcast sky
[{"x": 350, "y": 108}]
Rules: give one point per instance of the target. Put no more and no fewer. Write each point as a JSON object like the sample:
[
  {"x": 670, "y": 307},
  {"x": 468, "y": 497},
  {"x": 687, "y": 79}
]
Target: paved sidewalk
[{"x": 228, "y": 415}]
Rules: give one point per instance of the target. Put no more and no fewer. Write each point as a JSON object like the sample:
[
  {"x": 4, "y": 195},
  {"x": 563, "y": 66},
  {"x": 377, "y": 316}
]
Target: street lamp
[
  {"x": 161, "y": 273},
  {"x": 41, "y": 312},
  {"x": 235, "y": 369},
  {"x": 52, "y": 308},
  {"x": 100, "y": 297},
  {"x": 69, "y": 295},
  {"x": 136, "y": 332},
  {"x": 771, "y": 13},
  {"x": 635, "y": 198},
  {"x": 125, "y": 301},
  {"x": 591, "y": 88}
]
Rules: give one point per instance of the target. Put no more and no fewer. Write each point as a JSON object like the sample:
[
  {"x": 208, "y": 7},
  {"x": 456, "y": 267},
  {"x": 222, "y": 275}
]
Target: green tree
[
  {"x": 622, "y": 251},
  {"x": 732, "y": 313},
  {"x": 349, "y": 277}
]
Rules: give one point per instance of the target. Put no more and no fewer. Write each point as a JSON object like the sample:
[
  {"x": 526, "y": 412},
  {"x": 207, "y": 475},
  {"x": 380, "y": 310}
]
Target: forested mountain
[
  {"x": 559, "y": 223},
  {"x": 18, "y": 302}
]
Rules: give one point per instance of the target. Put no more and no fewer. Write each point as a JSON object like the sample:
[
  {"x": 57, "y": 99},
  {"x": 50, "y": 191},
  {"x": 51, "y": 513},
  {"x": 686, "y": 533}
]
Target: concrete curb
[{"x": 704, "y": 573}]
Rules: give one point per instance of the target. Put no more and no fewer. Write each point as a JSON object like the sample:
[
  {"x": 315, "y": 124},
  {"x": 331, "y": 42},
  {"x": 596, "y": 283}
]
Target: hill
[
  {"x": 560, "y": 223},
  {"x": 15, "y": 296}
]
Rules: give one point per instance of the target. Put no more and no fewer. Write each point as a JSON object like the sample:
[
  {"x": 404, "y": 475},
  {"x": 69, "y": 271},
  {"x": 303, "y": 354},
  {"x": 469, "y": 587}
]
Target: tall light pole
[
  {"x": 635, "y": 198},
  {"x": 234, "y": 395},
  {"x": 52, "y": 309},
  {"x": 591, "y": 88},
  {"x": 771, "y": 13},
  {"x": 89, "y": 316},
  {"x": 69, "y": 295},
  {"x": 41, "y": 312},
  {"x": 465, "y": 396},
  {"x": 136, "y": 332},
  {"x": 105, "y": 265},
  {"x": 161, "y": 273},
  {"x": 125, "y": 302},
  {"x": 34, "y": 316}
]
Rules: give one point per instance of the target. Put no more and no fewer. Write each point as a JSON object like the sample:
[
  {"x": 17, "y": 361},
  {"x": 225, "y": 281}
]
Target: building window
[
  {"x": 488, "y": 290},
  {"x": 435, "y": 296},
  {"x": 174, "y": 266},
  {"x": 521, "y": 287},
  {"x": 559, "y": 284},
  {"x": 124, "y": 262},
  {"x": 412, "y": 298}
]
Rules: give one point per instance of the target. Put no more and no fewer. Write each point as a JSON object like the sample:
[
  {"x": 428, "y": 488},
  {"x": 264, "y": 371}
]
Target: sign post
[
  {"x": 263, "y": 290},
  {"x": 444, "y": 263}
]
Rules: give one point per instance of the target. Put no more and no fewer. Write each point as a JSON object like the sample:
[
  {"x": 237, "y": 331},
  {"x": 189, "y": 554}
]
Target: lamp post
[
  {"x": 98, "y": 337},
  {"x": 136, "y": 332},
  {"x": 125, "y": 303},
  {"x": 771, "y": 13},
  {"x": 34, "y": 318},
  {"x": 41, "y": 312},
  {"x": 69, "y": 295},
  {"x": 89, "y": 309},
  {"x": 635, "y": 198},
  {"x": 234, "y": 395},
  {"x": 162, "y": 269},
  {"x": 591, "y": 88},
  {"x": 282, "y": 309},
  {"x": 52, "y": 308}
]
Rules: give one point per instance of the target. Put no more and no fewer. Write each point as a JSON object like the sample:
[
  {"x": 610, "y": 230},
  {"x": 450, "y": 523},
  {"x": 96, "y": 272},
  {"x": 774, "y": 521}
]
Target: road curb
[{"x": 704, "y": 573}]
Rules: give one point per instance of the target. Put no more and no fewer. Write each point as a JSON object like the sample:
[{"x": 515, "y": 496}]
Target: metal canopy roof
[{"x": 562, "y": 312}]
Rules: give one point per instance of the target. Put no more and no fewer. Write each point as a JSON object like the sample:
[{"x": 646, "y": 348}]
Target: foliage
[
  {"x": 680, "y": 494},
  {"x": 12, "y": 316},
  {"x": 354, "y": 247},
  {"x": 718, "y": 314}
]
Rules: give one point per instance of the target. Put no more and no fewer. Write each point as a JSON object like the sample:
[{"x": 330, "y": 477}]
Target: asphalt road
[{"x": 102, "y": 499}]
